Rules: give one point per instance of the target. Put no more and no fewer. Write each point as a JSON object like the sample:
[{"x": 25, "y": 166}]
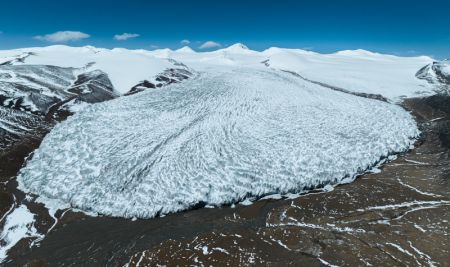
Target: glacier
[{"x": 219, "y": 138}]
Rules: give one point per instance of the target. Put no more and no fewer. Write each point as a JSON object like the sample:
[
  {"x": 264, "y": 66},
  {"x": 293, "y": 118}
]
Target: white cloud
[
  {"x": 125, "y": 36},
  {"x": 210, "y": 44},
  {"x": 62, "y": 36},
  {"x": 185, "y": 42}
]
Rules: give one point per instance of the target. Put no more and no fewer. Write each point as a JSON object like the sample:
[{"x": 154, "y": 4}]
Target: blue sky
[{"x": 398, "y": 27}]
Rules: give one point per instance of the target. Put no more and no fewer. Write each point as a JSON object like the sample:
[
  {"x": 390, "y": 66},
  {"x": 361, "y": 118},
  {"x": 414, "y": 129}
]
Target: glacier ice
[{"x": 219, "y": 138}]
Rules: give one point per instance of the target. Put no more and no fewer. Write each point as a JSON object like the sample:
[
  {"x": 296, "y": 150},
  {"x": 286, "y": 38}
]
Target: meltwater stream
[{"x": 216, "y": 139}]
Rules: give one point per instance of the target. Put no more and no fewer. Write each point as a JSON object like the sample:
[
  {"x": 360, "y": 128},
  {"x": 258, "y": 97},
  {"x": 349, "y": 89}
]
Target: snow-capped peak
[
  {"x": 239, "y": 45},
  {"x": 357, "y": 52},
  {"x": 185, "y": 49},
  {"x": 236, "y": 48}
]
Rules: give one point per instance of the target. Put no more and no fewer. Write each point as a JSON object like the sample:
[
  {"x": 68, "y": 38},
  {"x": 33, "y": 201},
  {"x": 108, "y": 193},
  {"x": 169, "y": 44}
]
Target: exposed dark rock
[
  {"x": 169, "y": 76},
  {"x": 93, "y": 87},
  {"x": 365, "y": 95},
  {"x": 18, "y": 59},
  {"x": 438, "y": 74}
]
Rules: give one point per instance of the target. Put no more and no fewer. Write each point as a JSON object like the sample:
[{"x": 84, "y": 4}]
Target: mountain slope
[{"x": 436, "y": 73}]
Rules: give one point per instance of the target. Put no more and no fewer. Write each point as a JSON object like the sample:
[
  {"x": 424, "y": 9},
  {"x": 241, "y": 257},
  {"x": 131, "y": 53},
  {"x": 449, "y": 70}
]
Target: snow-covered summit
[
  {"x": 236, "y": 48},
  {"x": 185, "y": 49},
  {"x": 357, "y": 53}
]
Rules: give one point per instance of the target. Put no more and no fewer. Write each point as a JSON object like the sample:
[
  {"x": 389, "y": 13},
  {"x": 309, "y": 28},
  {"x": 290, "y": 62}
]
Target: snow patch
[{"x": 19, "y": 224}]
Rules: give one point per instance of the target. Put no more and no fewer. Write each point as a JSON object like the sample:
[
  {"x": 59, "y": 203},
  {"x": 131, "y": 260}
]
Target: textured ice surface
[{"x": 216, "y": 139}]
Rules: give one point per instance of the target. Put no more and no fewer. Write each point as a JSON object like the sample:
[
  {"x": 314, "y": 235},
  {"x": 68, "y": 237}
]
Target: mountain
[
  {"x": 356, "y": 71},
  {"x": 185, "y": 49},
  {"x": 436, "y": 73},
  {"x": 235, "y": 48}
]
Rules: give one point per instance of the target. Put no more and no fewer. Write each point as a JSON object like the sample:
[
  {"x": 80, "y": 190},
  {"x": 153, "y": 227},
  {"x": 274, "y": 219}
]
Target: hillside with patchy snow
[
  {"x": 125, "y": 68},
  {"x": 438, "y": 74}
]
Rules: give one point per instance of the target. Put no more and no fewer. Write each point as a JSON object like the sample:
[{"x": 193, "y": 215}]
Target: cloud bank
[
  {"x": 210, "y": 44},
  {"x": 125, "y": 36},
  {"x": 62, "y": 36},
  {"x": 185, "y": 42}
]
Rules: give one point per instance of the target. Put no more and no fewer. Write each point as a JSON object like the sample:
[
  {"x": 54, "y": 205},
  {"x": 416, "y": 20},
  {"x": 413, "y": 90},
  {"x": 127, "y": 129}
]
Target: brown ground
[{"x": 399, "y": 217}]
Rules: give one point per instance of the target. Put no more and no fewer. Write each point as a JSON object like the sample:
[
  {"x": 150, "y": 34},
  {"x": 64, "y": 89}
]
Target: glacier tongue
[{"x": 216, "y": 139}]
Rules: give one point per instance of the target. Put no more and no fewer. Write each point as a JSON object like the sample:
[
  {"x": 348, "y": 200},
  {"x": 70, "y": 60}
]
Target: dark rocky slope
[{"x": 438, "y": 74}]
